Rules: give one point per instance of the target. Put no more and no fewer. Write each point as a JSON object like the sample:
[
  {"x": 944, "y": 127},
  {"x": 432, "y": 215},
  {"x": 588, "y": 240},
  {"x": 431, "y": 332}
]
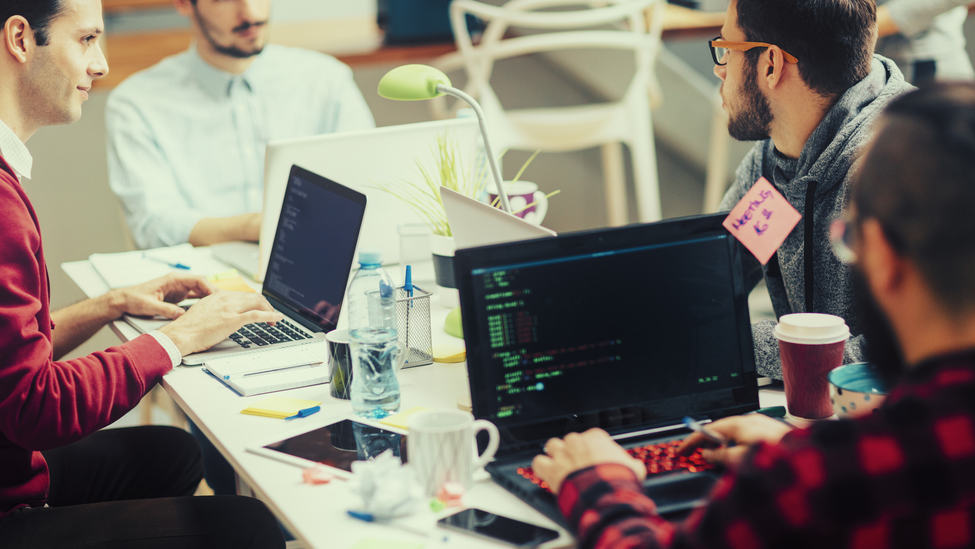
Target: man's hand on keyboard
[
  {"x": 743, "y": 431},
  {"x": 215, "y": 317},
  {"x": 578, "y": 451},
  {"x": 159, "y": 296}
]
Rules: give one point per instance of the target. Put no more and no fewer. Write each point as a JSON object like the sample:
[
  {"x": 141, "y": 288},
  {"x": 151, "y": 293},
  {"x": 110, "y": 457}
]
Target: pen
[
  {"x": 304, "y": 413},
  {"x": 708, "y": 433},
  {"x": 369, "y": 517},
  {"x": 300, "y": 365},
  {"x": 173, "y": 265},
  {"x": 408, "y": 283}
]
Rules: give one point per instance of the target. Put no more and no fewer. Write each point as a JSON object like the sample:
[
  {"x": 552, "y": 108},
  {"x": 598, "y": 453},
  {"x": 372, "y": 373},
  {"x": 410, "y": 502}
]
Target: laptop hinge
[
  {"x": 292, "y": 314},
  {"x": 632, "y": 434}
]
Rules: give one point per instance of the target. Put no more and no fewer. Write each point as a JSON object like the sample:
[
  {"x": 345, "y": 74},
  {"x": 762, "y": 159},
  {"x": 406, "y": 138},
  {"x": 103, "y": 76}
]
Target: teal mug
[{"x": 856, "y": 390}]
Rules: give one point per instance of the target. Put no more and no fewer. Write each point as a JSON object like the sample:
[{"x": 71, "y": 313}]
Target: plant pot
[{"x": 442, "y": 248}]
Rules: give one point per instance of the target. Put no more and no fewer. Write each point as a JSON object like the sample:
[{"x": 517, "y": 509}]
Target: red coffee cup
[{"x": 811, "y": 345}]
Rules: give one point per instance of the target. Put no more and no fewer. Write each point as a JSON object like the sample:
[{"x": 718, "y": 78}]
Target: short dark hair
[
  {"x": 833, "y": 39},
  {"x": 918, "y": 181},
  {"x": 39, "y": 13}
]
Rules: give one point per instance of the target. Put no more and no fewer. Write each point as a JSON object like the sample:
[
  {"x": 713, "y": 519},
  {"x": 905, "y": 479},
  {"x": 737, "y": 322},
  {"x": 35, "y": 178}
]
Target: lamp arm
[{"x": 492, "y": 161}]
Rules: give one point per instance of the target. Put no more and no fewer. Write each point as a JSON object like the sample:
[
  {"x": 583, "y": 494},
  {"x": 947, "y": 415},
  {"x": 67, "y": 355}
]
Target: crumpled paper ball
[{"x": 387, "y": 488}]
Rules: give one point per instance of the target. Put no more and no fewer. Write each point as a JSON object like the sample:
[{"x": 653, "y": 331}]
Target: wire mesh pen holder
[{"x": 413, "y": 326}]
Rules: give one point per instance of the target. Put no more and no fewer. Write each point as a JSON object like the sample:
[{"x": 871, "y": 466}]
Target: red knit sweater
[{"x": 46, "y": 404}]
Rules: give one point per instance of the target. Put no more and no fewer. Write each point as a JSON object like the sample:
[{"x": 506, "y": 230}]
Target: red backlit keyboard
[{"x": 660, "y": 459}]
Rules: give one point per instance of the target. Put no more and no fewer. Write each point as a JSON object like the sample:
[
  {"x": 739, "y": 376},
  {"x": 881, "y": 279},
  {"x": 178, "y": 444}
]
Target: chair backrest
[{"x": 590, "y": 24}]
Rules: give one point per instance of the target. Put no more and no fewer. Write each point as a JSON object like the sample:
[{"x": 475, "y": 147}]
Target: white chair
[{"x": 560, "y": 129}]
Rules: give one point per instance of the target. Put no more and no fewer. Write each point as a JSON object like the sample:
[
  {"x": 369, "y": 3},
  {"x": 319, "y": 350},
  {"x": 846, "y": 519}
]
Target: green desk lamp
[{"x": 420, "y": 82}]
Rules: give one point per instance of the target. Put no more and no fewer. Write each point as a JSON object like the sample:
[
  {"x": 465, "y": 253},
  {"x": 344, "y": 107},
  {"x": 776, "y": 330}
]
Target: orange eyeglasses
[{"x": 719, "y": 49}]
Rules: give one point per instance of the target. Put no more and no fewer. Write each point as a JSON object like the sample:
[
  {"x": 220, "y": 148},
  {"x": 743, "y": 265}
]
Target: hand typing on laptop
[
  {"x": 595, "y": 447},
  {"x": 744, "y": 431},
  {"x": 215, "y": 317},
  {"x": 580, "y": 450},
  {"x": 159, "y": 296}
]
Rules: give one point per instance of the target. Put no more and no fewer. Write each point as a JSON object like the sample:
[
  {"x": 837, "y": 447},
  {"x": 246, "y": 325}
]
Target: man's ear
[
  {"x": 884, "y": 269},
  {"x": 773, "y": 63},
  {"x": 18, "y": 38},
  {"x": 183, "y": 7}
]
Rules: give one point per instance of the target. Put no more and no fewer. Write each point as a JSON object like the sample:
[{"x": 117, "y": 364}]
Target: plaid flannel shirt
[{"x": 902, "y": 477}]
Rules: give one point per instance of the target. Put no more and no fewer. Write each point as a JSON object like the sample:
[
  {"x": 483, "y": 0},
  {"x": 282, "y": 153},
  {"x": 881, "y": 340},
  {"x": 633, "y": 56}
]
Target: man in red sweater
[
  {"x": 902, "y": 477},
  {"x": 60, "y": 484}
]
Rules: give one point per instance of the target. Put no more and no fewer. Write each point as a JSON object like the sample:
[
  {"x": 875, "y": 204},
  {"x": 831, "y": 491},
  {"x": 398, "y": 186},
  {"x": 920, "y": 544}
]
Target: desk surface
[{"x": 316, "y": 514}]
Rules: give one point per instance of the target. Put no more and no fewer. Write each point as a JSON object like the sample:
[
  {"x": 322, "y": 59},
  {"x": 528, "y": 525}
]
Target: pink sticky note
[{"x": 762, "y": 220}]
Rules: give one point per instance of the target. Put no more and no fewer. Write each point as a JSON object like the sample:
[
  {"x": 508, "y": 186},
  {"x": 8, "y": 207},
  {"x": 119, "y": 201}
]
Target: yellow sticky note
[
  {"x": 449, "y": 353},
  {"x": 235, "y": 284},
  {"x": 279, "y": 407},
  {"x": 399, "y": 420}
]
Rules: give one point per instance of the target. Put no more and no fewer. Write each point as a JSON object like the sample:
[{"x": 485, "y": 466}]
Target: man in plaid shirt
[{"x": 902, "y": 477}]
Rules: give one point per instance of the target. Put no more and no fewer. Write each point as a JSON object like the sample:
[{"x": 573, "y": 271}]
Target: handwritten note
[{"x": 762, "y": 220}]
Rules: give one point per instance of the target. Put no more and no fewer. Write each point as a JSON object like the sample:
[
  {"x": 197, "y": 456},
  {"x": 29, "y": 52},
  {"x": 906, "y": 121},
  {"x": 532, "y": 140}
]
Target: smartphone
[{"x": 506, "y": 530}]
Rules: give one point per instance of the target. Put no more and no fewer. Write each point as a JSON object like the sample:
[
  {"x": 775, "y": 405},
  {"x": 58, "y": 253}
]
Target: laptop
[
  {"x": 475, "y": 223},
  {"x": 243, "y": 256},
  {"x": 309, "y": 267},
  {"x": 628, "y": 329},
  {"x": 360, "y": 160}
]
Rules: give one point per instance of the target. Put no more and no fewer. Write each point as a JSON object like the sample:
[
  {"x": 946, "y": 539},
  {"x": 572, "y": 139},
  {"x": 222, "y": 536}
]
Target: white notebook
[
  {"x": 259, "y": 372},
  {"x": 124, "y": 269}
]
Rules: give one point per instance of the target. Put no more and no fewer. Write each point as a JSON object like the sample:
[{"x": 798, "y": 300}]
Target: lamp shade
[{"x": 412, "y": 83}]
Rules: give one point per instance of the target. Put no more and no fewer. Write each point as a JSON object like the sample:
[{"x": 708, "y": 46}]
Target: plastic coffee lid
[
  {"x": 370, "y": 256},
  {"x": 811, "y": 329}
]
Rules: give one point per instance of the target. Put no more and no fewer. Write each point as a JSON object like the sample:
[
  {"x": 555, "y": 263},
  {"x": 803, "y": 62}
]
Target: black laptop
[{"x": 627, "y": 329}]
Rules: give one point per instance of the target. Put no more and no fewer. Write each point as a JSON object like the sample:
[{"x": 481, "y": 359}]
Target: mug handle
[
  {"x": 401, "y": 358},
  {"x": 541, "y": 206},
  {"x": 495, "y": 439}
]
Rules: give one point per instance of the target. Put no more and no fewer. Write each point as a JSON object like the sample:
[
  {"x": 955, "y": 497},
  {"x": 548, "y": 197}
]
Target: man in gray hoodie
[{"x": 800, "y": 77}]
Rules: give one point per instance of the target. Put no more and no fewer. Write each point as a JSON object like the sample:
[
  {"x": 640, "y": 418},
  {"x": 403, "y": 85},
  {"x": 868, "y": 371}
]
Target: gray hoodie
[{"x": 825, "y": 170}]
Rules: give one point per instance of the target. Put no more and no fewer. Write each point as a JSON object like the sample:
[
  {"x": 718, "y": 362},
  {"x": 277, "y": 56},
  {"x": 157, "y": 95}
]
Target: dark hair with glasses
[
  {"x": 833, "y": 39},
  {"x": 918, "y": 182},
  {"x": 38, "y": 13}
]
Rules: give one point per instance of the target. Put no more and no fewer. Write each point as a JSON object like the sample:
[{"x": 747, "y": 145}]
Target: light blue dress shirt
[{"x": 187, "y": 140}]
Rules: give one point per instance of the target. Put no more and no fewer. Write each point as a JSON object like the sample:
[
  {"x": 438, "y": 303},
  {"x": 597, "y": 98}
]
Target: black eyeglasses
[{"x": 720, "y": 48}]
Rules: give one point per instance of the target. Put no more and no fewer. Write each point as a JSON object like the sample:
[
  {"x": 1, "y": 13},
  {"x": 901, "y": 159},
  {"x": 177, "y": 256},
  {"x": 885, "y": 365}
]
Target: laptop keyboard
[
  {"x": 660, "y": 459},
  {"x": 262, "y": 334}
]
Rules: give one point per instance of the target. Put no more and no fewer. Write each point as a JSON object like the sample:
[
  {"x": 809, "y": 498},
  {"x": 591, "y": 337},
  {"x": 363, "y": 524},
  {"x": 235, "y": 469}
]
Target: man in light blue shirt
[{"x": 186, "y": 137}]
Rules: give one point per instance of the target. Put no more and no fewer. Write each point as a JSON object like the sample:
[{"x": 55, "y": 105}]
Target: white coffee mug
[
  {"x": 521, "y": 194},
  {"x": 441, "y": 447}
]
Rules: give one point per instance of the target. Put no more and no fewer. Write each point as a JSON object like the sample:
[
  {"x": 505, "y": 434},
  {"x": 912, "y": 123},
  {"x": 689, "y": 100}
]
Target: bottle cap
[{"x": 370, "y": 256}]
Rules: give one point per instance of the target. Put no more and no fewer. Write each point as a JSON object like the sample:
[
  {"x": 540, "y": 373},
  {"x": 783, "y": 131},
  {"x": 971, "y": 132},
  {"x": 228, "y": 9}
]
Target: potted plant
[{"x": 420, "y": 191}]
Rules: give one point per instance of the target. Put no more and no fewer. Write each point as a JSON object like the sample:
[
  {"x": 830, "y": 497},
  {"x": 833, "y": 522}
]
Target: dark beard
[
  {"x": 883, "y": 349},
  {"x": 753, "y": 123},
  {"x": 230, "y": 51}
]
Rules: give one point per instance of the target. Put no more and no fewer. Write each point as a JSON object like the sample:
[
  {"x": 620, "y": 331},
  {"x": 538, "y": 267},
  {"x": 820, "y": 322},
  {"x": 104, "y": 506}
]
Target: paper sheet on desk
[{"x": 129, "y": 268}]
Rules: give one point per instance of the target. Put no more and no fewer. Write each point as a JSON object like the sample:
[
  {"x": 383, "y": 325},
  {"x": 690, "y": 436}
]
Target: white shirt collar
[{"x": 15, "y": 152}]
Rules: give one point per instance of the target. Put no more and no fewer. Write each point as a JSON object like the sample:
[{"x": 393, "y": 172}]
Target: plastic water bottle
[{"x": 374, "y": 345}]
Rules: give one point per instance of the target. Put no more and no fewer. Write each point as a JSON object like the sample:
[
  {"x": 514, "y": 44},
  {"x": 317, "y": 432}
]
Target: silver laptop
[
  {"x": 311, "y": 259},
  {"x": 243, "y": 256},
  {"x": 475, "y": 223},
  {"x": 359, "y": 160}
]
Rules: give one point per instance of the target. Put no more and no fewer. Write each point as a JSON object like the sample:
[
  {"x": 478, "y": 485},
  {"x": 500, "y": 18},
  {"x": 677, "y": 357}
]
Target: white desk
[{"x": 317, "y": 514}]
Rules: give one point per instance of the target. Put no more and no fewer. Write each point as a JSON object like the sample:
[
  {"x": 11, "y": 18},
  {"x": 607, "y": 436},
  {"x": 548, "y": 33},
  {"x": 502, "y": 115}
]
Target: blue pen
[
  {"x": 369, "y": 517},
  {"x": 408, "y": 283},
  {"x": 708, "y": 433},
  {"x": 304, "y": 413},
  {"x": 173, "y": 265}
]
